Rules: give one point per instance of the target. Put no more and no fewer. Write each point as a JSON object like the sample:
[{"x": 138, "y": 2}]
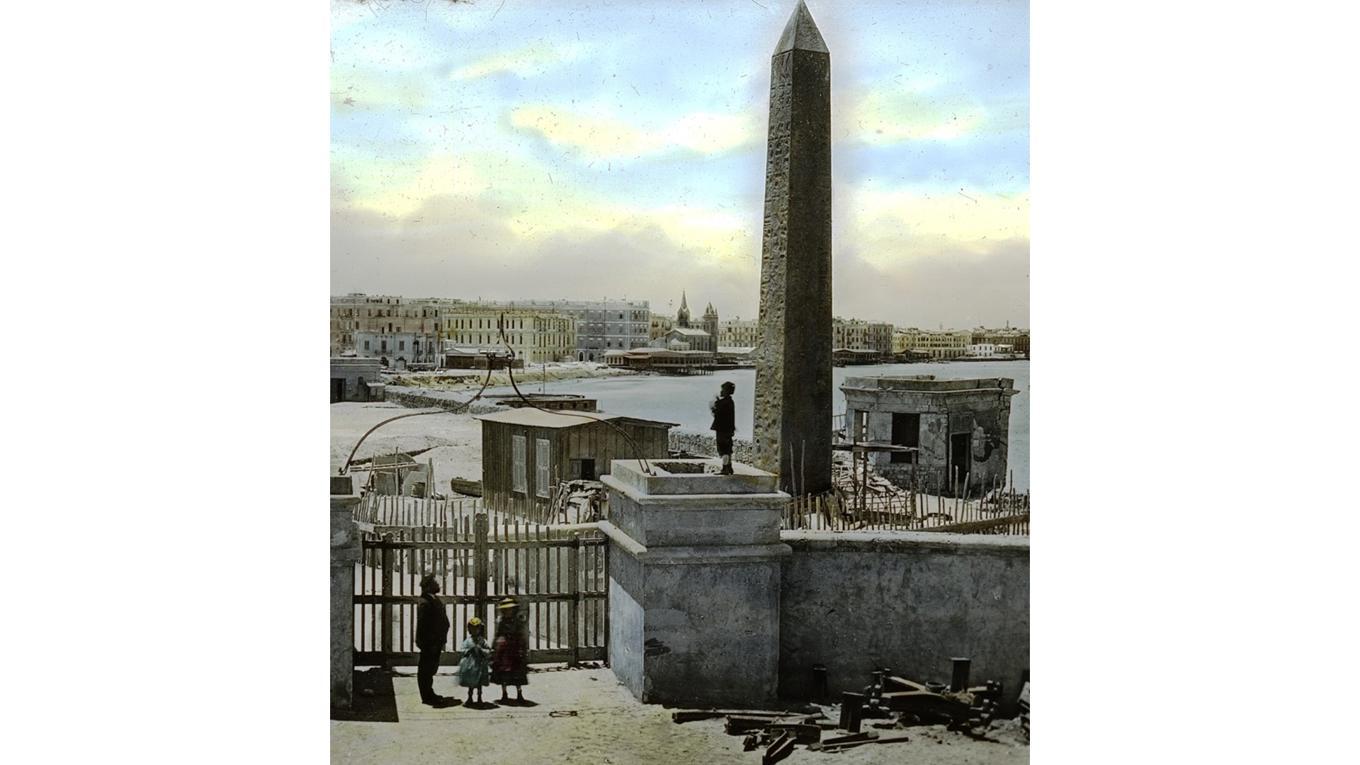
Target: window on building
[
  {"x": 906, "y": 431},
  {"x": 541, "y": 467},
  {"x": 401, "y": 345},
  {"x": 519, "y": 476},
  {"x": 583, "y": 469},
  {"x": 859, "y": 425},
  {"x": 365, "y": 345}
]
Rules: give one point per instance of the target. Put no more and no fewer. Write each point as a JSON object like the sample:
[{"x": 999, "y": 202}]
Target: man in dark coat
[
  {"x": 432, "y": 630},
  {"x": 725, "y": 424}
]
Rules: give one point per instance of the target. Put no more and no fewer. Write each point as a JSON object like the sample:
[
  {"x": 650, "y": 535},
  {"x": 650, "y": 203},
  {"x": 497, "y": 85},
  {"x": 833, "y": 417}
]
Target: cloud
[
  {"x": 892, "y": 116},
  {"x": 600, "y": 135},
  {"x": 889, "y": 225},
  {"x": 354, "y": 90},
  {"x": 399, "y": 189},
  {"x": 460, "y": 246},
  {"x": 530, "y": 61},
  {"x": 955, "y": 286},
  {"x": 465, "y": 247}
]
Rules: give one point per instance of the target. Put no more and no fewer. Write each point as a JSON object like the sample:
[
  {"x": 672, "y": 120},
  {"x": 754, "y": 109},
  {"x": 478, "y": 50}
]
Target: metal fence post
[
  {"x": 386, "y": 610},
  {"x": 574, "y": 605},
  {"x": 480, "y": 565}
]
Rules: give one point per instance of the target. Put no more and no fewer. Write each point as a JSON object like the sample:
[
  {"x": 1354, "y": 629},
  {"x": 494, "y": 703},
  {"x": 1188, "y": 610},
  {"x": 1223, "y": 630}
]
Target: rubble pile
[{"x": 961, "y": 708}]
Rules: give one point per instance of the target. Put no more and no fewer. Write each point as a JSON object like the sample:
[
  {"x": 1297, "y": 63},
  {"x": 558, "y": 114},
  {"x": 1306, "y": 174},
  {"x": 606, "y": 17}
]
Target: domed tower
[
  {"x": 682, "y": 317},
  {"x": 711, "y": 326}
]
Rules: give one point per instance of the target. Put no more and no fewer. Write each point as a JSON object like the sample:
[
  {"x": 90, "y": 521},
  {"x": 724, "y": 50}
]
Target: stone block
[
  {"x": 668, "y": 509},
  {"x": 694, "y": 584}
]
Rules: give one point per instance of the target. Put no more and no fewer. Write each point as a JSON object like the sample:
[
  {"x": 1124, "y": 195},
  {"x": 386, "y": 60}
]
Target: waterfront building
[
  {"x": 658, "y": 325},
  {"x": 690, "y": 339},
  {"x": 1017, "y": 339},
  {"x": 934, "y": 344},
  {"x": 383, "y": 314},
  {"x": 677, "y": 361},
  {"x": 537, "y": 337},
  {"x": 981, "y": 351},
  {"x": 398, "y": 350},
  {"x": 601, "y": 325},
  {"x": 738, "y": 332},
  {"x": 858, "y": 335},
  {"x": 901, "y": 342},
  {"x": 685, "y": 335}
]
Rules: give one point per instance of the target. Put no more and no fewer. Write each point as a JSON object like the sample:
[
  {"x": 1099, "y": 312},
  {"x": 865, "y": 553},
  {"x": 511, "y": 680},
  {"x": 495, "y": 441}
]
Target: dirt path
[{"x": 585, "y": 716}]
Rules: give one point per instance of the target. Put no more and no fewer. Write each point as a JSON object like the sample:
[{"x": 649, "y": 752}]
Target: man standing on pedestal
[
  {"x": 725, "y": 424},
  {"x": 432, "y": 631}
]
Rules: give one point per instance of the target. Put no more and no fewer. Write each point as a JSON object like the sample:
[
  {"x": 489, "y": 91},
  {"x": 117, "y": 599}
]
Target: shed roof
[{"x": 537, "y": 418}]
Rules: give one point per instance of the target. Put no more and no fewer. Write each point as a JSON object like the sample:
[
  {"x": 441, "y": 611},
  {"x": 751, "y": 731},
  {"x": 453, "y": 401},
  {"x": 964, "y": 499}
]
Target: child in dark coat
[{"x": 509, "y": 662}]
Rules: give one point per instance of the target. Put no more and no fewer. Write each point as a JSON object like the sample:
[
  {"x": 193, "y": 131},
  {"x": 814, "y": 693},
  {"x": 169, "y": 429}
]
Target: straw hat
[{"x": 507, "y": 604}]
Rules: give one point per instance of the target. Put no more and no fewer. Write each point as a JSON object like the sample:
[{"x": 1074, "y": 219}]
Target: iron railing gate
[{"x": 559, "y": 575}]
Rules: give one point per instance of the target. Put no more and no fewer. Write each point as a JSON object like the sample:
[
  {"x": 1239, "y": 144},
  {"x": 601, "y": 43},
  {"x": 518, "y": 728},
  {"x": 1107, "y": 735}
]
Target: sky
[{"x": 586, "y": 149}]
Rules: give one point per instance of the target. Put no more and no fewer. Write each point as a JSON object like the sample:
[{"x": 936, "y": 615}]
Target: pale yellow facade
[
  {"x": 537, "y": 337},
  {"x": 937, "y": 344}
]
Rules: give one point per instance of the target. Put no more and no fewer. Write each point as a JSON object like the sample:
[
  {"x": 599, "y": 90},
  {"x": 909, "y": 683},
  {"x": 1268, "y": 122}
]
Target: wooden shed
[{"x": 526, "y": 453}]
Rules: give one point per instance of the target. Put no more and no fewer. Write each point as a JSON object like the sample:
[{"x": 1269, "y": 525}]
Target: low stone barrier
[
  {"x": 702, "y": 445},
  {"x": 416, "y": 398},
  {"x": 910, "y": 601}
]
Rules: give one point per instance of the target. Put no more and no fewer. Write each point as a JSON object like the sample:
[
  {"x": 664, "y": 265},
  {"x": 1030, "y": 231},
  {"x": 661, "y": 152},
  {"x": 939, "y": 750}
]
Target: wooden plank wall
[{"x": 590, "y": 440}]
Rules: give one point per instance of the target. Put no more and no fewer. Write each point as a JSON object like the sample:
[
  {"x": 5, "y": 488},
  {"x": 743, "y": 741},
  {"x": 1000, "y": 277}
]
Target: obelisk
[{"x": 793, "y": 363}]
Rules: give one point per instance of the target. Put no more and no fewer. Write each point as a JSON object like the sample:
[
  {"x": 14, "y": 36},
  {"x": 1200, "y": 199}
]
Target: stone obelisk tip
[{"x": 801, "y": 33}]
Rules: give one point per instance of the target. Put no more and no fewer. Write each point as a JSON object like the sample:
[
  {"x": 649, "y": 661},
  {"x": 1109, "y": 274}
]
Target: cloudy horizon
[{"x": 599, "y": 149}]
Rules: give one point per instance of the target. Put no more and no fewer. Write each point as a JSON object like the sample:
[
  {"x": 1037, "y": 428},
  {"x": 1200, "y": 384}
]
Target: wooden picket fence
[
  {"x": 999, "y": 512},
  {"x": 558, "y": 574}
]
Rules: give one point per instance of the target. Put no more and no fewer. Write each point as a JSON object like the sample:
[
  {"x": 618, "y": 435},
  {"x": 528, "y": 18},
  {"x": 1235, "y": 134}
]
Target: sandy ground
[
  {"x": 454, "y": 440},
  {"x": 585, "y": 716}
]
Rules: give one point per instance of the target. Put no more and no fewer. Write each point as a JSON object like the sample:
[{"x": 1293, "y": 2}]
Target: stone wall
[
  {"x": 344, "y": 554},
  {"x": 909, "y": 601},
  {"x": 416, "y": 398},
  {"x": 704, "y": 445}
]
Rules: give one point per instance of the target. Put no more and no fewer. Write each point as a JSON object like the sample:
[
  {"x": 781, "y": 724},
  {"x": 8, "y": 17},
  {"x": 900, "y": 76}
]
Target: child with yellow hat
[{"x": 473, "y": 668}]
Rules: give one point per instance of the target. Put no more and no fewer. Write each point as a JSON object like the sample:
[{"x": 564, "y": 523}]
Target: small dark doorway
[
  {"x": 337, "y": 389},
  {"x": 583, "y": 469},
  {"x": 960, "y": 456},
  {"x": 906, "y": 431}
]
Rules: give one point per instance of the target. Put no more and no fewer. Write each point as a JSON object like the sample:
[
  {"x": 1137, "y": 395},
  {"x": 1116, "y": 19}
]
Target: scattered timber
[
  {"x": 781, "y": 747},
  {"x": 690, "y": 715}
]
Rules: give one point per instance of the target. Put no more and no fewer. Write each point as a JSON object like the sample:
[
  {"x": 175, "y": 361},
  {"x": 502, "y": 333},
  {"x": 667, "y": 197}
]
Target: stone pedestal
[
  {"x": 694, "y": 580},
  {"x": 345, "y": 552}
]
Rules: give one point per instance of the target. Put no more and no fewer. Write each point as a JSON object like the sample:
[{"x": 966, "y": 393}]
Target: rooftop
[
  {"x": 928, "y": 383},
  {"x": 537, "y": 418}
]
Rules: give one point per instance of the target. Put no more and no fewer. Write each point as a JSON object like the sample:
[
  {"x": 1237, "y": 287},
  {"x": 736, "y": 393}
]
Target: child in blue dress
[{"x": 474, "y": 667}]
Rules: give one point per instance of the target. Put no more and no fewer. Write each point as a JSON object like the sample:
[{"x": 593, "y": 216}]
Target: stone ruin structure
[{"x": 958, "y": 427}]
